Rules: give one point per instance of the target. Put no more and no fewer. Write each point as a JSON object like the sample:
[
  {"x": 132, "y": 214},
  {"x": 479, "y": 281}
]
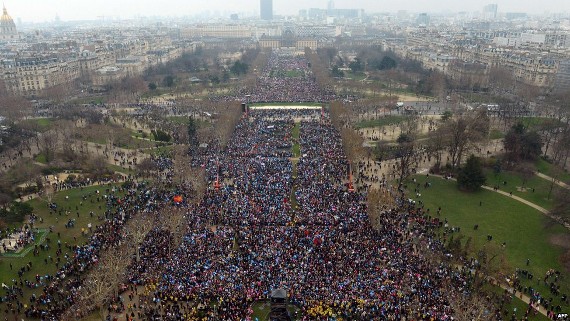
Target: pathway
[
  {"x": 520, "y": 199},
  {"x": 556, "y": 181}
]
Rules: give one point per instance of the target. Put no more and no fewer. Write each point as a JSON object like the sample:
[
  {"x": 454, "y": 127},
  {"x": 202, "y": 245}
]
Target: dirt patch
[{"x": 563, "y": 240}]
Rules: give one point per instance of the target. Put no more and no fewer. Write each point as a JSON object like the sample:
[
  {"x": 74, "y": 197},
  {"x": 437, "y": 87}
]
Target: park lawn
[
  {"x": 138, "y": 135},
  {"x": 517, "y": 303},
  {"x": 134, "y": 143},
  {"x": 551, "y": 170},
  {"x": 533, "y": 122},
  {"x": 496, "y": 134},
  {"x": 382, "y": 121},
  {"x": 43, "y": 124},
  {"x": 354, "y": 76},
  {"x": 525, "y": 230},
  {"x": 294, "y": 73},
  {"x": 120, "y": 169},
  {"x": 514, "y": 181},
  {"x": 71, "y": 236},
  {"x": 41, "y": 158},
  {"x": 165, "y": 150}
]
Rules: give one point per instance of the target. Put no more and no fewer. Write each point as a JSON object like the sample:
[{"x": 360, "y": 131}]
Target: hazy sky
[{"x": 46, "y": 10}]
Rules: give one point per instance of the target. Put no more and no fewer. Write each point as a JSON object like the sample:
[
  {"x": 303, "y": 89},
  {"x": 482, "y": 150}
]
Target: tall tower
[
  {"x": 266, "y": 9},
  {"x": 330, "y": 5},
  {"x": 490, "y": 11},
  {"x": 7, "y": 26}
]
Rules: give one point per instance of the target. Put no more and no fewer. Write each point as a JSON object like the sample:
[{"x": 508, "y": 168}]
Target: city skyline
[{"x": 47, "y": 10}]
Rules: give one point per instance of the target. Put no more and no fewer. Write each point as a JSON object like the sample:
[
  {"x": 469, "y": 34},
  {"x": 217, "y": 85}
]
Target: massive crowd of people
[
  {"x": 246, "y": 238},
  {"x": 268, "y": 220},
  {"x": 297, "y": 84}
]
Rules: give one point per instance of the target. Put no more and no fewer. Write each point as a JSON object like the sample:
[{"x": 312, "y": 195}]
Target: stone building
[{"x": 7, "y": 27}]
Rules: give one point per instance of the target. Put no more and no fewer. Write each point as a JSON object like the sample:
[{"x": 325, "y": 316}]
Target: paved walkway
[
  {"x": 556, "y": 181},
  {"x": 539, "y": 208},
  {"x": 522, "y": 200}
]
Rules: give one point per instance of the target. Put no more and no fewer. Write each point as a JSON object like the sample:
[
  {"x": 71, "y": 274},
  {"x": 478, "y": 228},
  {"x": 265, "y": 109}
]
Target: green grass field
[
  {"x": 160, "y": 150},
  {"x": 526, "y": 232},
  {"x": 496, "y": 134},
  {"x": 183, "y": 120},
  {"x": 354, "y": 76},
  {"x": 41, "y": 158},
  {"x": 517, "y": 304},
  {"x": 68, "y": 236},
  {"x": 295, "y": 133},
  {"x": 549, "y": 169},
  {"x": 43, "y": 124},
  {"x": 382, "y": 121},
  {"x": 515, "y": 185},
  {"x": 534, "y": 122}
]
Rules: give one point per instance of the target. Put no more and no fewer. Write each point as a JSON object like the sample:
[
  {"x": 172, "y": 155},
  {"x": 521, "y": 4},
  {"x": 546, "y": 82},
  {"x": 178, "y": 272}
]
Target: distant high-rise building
[
  {"x": 266, "y": 9},
  {"x": 490, "y": 11},
  {"x": 330, "y": 5},
  {"x": 423, "y": 19}
]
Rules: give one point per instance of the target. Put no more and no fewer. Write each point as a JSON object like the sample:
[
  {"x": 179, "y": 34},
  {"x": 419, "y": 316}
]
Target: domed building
[{"x": 7, "y": 27}]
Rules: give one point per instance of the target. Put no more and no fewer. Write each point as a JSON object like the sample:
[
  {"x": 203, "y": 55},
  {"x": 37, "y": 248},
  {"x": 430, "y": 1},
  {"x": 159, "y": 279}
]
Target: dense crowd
[
  {"x": 246, "y": 238},
  {"x": 59, "y": 291},
  {"x": 268, "y": 220},
  {"x": 275, "y": 85}
]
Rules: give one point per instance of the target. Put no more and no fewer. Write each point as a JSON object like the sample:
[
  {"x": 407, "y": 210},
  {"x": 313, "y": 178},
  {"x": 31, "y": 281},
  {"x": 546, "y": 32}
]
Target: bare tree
[
  {"x": 48, "y": 145},
  {"x": 14, "y": 107},
  {"x": 463, "y": 132},
  {"x": 101, "y": 283},
  {"x": 352, "y": 143},
  {"x": 469, "y": 306},
  {"x": 174, "y": 220},
  {"x": 225, "y": 125},
  {"x": 407, "y": 158},
  {"x": 137, "y": 228}
]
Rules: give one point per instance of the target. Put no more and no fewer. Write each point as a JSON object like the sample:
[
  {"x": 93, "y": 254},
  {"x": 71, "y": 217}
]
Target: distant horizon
[{"x": 34, "y": 11}]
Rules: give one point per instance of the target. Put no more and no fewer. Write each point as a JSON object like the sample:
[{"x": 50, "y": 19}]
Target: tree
[
  {"x": 406, "y": 158},
  {"x": 526, "y": 170},
  {"x": 168, "y": 81},
  {"x": 561, "y": 205},
  {"x": 447, "y": 115},
  {"x": 463, "y": 132},
  {"x": 471, "y": 177},
  {"x": 356, "y": 65},
  {"x": 137, "y": 229},
  {"x": 239, "y": 68},
  {"x": 101, "y": 283},
  {"x": 336, "y": 72},
  {"x": 176, "y": 222},
  {"x": 521, "y": 144},
  {"x": 386, "y": 63},
  {"x": 469, "y": 306},
  {"x": 192, "y": 139},
  {"x": 152, "y": 86},
  {"x": 161, "y": 136}
]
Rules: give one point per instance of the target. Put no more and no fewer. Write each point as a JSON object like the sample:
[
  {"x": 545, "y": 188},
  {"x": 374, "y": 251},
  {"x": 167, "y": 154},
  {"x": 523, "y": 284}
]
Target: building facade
[{"x": 7, "y": 26}]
